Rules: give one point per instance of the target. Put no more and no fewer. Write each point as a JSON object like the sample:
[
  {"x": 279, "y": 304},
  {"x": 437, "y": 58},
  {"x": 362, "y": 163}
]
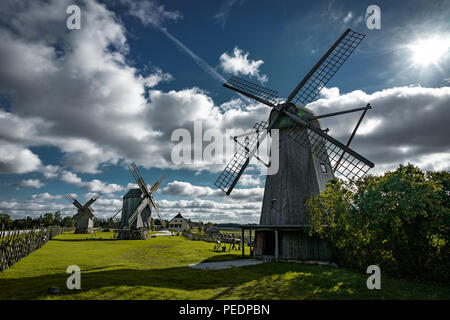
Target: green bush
[{"x": 398, "y": 221}]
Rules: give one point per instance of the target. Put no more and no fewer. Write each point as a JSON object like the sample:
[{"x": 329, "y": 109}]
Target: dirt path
[{"x": 162, "y": 233}]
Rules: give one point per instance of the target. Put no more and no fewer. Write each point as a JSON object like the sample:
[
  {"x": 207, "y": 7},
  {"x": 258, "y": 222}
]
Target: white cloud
[
  {"x": 15, "y": 158},
  {"x": 30, "y": 183},
  {"x": 435, "y": 161},
  {"x": 71, "y": 178},
  {"x": 92, "y": 82},
  {"x": 405, "y": 124},
  {"x": 348, "y": 17},
  {"x": 97, "y": 185},
  {"x": 150, "y": 12},
  {"x": 197, "y": 209},
  {"x": 358, "y": 20},
  {"x": 46, "y": 196},
  {"x": 369, "y": 126},
  {"x": 186, "y": 189},
  {"x": 33, "y": 208},
  {"x": 209, "y": 210},
  {"x": 239, "y": 63},
  {"x": 249, "y": 180},
  {"x": 131, "y": 186},
  {"x": 329, "y": 93},
  {"x": 93, "y": 185},
  {"x": 225, "y": 10},
  {"x": 208, "y": 204},
  {"x": 158, "y": 76},
  {"x": 50, "y": 171},
  {"x": 102, "y": 95}
]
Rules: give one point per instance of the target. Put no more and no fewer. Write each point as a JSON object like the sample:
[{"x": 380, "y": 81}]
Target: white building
[{"x": 179, "y": 223}]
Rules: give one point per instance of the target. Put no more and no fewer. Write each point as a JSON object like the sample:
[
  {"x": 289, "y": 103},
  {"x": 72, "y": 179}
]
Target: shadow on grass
[
  {"x": 79, "y": 240},
  {"x": 225, "y": 257},
  {"x": 263, "y": 281}
]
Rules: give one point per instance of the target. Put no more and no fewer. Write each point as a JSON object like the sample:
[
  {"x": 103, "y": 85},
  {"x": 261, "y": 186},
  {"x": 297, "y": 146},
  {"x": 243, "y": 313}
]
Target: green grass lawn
[{"x": 158, "y": 269}]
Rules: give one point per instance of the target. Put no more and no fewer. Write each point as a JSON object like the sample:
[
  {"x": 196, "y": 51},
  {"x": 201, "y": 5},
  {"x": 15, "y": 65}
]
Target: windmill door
[
  {"x": 269, "y": 243},
  {"x": 264, "y": 243}
]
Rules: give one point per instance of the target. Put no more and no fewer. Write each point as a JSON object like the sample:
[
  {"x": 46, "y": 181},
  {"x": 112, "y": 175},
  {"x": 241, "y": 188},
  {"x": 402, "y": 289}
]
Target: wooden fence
[{"x": 16, "y": 244}]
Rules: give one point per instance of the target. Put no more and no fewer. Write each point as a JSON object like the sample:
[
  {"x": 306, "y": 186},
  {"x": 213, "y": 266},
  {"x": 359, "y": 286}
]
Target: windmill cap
[{"x": 298, "y": 110}]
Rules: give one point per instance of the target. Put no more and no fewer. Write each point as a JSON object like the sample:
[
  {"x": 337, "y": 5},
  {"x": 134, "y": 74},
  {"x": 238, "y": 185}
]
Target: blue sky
[{"x": 77, "y": 106}]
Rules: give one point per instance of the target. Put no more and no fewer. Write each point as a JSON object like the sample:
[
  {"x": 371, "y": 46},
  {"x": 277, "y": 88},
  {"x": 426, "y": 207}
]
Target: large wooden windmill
[
  {"x": 308, "y": 157},
  {"x": 138, "y": 203},
  {"x": 83, "y": 218}
]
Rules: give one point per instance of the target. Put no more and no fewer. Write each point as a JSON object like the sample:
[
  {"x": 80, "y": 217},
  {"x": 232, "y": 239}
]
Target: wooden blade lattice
[
  {"x": 252, "y": 90},
  {"x": 232, "y": 172},
  {"x": 348, "y": 167},
  {"x": 324, "y": 70}
]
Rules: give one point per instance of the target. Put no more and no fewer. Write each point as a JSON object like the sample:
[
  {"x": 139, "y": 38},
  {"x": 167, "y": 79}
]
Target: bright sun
[{"x": 429, "y": 50}]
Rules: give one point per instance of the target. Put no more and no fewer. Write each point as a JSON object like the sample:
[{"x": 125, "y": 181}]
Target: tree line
[
  {"x": 52, "y": 219},
  {"x": 48, "y": 219},
  {"x": 55, "y": 219}
]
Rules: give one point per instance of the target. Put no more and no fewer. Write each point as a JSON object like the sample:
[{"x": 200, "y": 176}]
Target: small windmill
[
  {"x": 136, "y": 214},
  {"x": 308, "y": 156},
  {"x": 83, "y": 218}
]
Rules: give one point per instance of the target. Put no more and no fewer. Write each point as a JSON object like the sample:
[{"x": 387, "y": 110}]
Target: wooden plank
[
  {"x": 276, "y": 246},
  {"x": 242, "y": 242}
]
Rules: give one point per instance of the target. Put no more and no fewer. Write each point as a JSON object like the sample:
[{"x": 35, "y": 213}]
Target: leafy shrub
[{"x": 398, "y": 221}]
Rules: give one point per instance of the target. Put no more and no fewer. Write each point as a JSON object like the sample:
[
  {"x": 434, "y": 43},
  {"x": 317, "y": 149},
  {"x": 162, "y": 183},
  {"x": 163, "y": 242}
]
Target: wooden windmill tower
[
  {"x": 83, "y": 218},
  {"x": 308, "y": 157},
  {"x": 137, "y": 207}
]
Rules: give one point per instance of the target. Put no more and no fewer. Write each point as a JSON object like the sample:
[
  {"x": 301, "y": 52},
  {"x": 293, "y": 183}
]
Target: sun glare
[{"x": 428, "y": 51}]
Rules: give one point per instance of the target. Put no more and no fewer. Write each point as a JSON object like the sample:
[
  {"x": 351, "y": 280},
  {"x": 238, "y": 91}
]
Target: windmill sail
[
  {"x": 252, "y": 90},
  {"x": 74, "y": 201},
  {"x": 349, "y": 163},
  {"x": 92, "y": 200},
  {"x": 234, "y": 169},
  {"x": 163, "y": 223},
  {"x": 138, "y": 210},
  {"x": 157, "y": 184},
  {"x": 307, "y": 90},
  {"x": 139, "y": 180}
]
